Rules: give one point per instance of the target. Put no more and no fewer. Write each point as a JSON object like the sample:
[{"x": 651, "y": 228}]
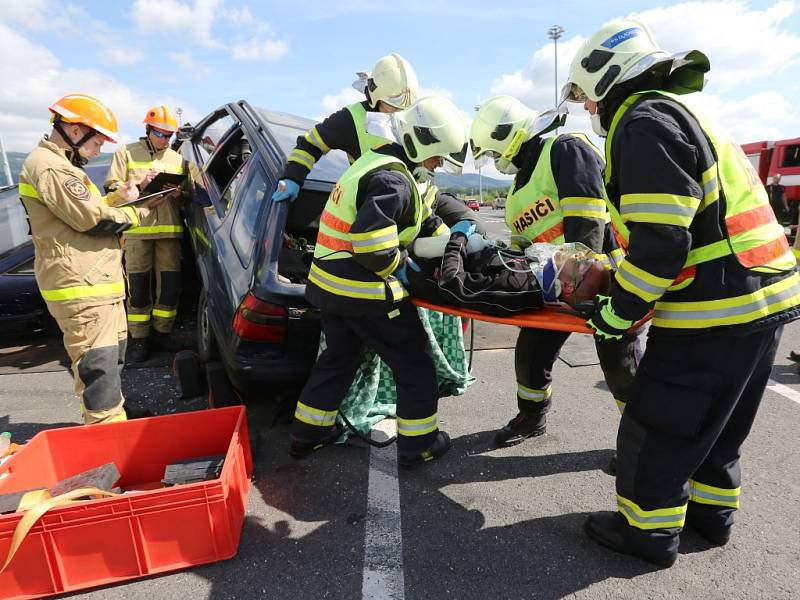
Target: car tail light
[{"x": 260, "y": 321}]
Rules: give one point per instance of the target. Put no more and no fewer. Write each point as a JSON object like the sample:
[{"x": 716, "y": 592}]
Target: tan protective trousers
[
  {"x": 95, "y": 338},
  {"x": 142, "y": 258}
]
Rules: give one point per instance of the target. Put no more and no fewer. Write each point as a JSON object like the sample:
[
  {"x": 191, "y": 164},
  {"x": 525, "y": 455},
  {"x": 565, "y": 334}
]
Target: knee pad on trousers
[
  {"x": 139, "y": 289},
  {"x": 170, "y": 288},
  {"x": 122, "y": 348},
  {"x": 98, "y": 371}
]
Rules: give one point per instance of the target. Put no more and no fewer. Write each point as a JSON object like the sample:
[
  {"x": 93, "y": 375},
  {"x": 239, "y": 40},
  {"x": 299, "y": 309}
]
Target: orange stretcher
[{"x": 541, "y": 318}]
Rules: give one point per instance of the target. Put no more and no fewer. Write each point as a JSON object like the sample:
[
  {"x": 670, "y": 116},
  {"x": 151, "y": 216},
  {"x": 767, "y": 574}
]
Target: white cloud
[
  {"x": 436, "y": 91},
  {"x": 188, "y": 64},
  {"x": 258, "y": 49},
  {"x": 121, "y": 56},
  {"x": 766, "y": 115},
  {"x": 38, "y": 15},
  {"x": 769, "y": 52},
  {"x": 211, "y": 24},
  {"x": 535, "y": 84},
  {"x": 333, "y": 102},
  {"x": 43, "y": 77},
  {"x": 744, "y": 45},
  {"x": 188, "y": 20}
]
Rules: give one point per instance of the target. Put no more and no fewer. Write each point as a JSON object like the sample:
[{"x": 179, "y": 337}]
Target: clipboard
[
  {"x": 143, "y": 198},
  {"x": 160, "y": 180}
]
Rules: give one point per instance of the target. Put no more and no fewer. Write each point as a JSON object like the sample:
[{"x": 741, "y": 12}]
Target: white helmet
[
  {"x": 433, "y": 126},
  {"x": 620, "y": 51},
  {"x": 392, "y": 81},
  {"x": 625, "y": 49},
  {"x": 503, "y": 124}
]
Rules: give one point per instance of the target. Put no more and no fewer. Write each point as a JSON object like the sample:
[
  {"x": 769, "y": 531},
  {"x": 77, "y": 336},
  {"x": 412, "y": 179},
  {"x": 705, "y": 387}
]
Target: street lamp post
[
  {"x": 480, "y": 174},
  {"x": 555, "y": 32},
  {"x": 180, "y": 115}
]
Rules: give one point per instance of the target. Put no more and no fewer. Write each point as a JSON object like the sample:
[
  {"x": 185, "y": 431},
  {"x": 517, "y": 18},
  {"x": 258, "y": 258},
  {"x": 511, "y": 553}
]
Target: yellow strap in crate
[{"x": 38, "y": 510}]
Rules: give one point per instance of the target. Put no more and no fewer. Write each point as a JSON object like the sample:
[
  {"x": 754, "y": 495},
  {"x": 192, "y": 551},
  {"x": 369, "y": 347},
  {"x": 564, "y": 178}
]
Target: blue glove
[
  {"x": 605, "y": 322},
  {"x": 286, "y": 190},
  {"x": 401, "y": 273},
  {"x": 464, "y": 227}
]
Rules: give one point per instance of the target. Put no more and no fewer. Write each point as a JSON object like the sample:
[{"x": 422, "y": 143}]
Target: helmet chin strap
[
  {"x": 150, "y": 145},
  {"x": 75, "y": 156}
]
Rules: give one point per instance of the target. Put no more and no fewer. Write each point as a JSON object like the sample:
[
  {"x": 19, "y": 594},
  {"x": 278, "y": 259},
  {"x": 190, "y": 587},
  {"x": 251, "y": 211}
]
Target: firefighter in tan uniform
[
  {"x": 155, "y": 245},
  {"x": 78, "y": 260}
]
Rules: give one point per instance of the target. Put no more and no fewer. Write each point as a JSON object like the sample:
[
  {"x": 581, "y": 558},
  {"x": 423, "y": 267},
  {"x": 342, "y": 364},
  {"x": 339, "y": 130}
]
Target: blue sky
[{"x": 301, "y": 56}]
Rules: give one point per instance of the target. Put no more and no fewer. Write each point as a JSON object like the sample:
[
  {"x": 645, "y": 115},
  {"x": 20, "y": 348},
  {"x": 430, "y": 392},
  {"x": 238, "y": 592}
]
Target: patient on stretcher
[{"x": 493, "y": 279}]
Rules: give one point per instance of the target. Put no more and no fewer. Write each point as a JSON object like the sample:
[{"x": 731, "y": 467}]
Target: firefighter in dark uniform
[
  {"x": 357, "y": 277},
  {"x": 707, "y": 255},
  {"x": 556, "y": 197},
  {"x": 390, "y": 86}
]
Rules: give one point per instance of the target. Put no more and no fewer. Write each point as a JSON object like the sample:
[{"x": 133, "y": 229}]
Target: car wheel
[
  {"x": 207, "y": 349},
  {"x": 220, "y": 390}
]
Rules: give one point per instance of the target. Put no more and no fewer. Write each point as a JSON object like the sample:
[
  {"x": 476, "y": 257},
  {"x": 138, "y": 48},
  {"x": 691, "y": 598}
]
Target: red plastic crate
[{"x": 104, "y": 541}]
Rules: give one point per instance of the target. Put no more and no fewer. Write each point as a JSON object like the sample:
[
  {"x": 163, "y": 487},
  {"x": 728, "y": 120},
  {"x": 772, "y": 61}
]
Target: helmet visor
[
  {"x": 572, "y": 93},
  {"x": 401, "y": 101},
  {"x": 454, "y": 162}
]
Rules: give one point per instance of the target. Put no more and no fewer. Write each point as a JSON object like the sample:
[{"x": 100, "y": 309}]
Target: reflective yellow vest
[
  {"x": 335, "y": 243},
  {"x": 752, "y": 234},
  {"x": 366, "y": 141},
  {"x": 535, "y": 211}
]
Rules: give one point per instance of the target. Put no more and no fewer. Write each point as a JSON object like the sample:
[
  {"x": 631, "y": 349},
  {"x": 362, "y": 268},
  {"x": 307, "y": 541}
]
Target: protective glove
[
  {"x": 286, "y": 190},
  {"x": 605, "y": 322},
  {"x": 465, "y": 227},
  {"x": 401, "y": 272}
]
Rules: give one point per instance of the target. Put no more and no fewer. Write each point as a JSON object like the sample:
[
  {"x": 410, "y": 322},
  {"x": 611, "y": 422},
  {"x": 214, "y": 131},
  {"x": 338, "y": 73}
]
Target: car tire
[
  {"x": 220, "y": 390},
  {"x": 207, "y": 349}
]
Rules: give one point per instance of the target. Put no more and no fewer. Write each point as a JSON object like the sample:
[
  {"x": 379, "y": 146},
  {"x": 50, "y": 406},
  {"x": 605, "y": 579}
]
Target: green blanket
[{"x": 372, "y": 396}]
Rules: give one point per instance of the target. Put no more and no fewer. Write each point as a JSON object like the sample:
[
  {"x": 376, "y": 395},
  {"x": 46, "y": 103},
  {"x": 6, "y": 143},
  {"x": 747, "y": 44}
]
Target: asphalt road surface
[{"x": 480, "y": 523}]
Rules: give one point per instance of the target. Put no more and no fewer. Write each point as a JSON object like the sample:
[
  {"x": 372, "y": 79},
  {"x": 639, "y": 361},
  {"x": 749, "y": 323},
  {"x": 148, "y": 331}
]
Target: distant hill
[
  {"x": 15, "y": 160},
  {"x": 467, "y": 182}
]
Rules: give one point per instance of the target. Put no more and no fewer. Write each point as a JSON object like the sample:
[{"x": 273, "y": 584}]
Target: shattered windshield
[{"x": 286, "y": 128}]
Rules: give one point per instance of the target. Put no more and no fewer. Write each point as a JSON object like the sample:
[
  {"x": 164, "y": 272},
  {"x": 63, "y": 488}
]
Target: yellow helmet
[
  {"x": 502, "y": 124},
  {"x": 392, "y": 81},
  {"x": 622, "y": 50},
  {"x": 433, "y": 126}
]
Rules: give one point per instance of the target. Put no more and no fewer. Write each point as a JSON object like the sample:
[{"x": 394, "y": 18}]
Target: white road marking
[
  {"x": 784, "y": 390},
  {"x": 383, "y": 540}
]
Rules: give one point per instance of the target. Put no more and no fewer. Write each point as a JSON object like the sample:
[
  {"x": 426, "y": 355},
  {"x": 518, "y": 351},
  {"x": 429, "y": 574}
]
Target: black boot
[
  {"x": 138, "y": 349},
  {"x": 612, "y": 465},
  {"x": 657, "y": 546},
  {"x": 712, "y": 523},
  {"x": 301, "y": 449},
  {"x": 137, "y": 413},
  {"x": 165, "y": 342},
  {"x": 439, "y": 448},
  {"x": 520, "y": 428}
]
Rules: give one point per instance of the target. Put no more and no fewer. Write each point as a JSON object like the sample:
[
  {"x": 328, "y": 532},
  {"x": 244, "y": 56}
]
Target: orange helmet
[
  {"x": 89, "y": 111},
  {"x": 161, "y": 118}
]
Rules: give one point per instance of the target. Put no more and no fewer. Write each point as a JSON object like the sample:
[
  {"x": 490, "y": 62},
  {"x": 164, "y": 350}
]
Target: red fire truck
[{"x": 771, "y": 158}]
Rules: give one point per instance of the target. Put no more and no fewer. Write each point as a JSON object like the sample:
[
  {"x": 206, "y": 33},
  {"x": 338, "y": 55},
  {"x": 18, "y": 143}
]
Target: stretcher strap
[{"x": 36, "y": 512}]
